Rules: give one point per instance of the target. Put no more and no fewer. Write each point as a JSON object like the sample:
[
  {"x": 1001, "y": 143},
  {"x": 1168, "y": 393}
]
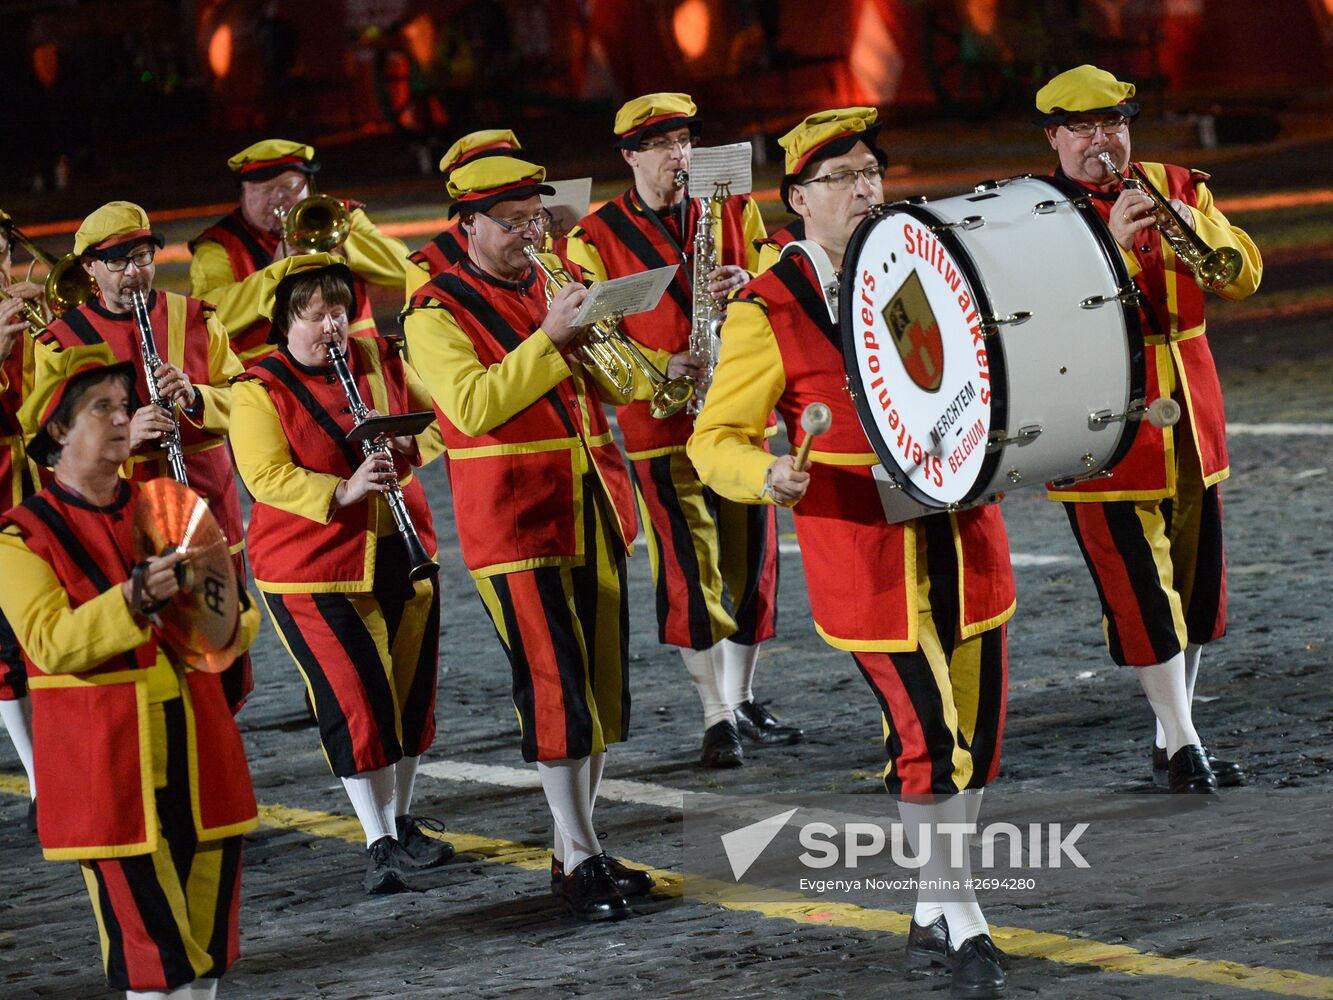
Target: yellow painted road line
[{"x": 789, "y": 906}]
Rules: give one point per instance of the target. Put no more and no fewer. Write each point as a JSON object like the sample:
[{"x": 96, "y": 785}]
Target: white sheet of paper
[
  {"x": 711, "y": 165},
  {"x": 634, "y": 293},
  {"x": 569, "y": 204}
]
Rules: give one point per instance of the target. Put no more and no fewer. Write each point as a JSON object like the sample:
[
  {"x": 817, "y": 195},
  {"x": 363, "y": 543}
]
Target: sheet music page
[
  {"x": 568, "y": 205},
  {"x": 634, "y": 293},
  {"x": 710, "y": 165}
]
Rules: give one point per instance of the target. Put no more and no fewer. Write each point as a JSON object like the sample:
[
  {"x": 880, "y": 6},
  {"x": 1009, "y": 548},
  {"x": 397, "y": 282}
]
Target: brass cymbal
[{"x": 201, "y": 623}]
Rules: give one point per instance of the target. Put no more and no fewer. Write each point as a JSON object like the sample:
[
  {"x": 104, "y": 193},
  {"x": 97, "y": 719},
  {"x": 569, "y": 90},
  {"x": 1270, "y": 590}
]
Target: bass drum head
[{"x": 921, "y": 372}]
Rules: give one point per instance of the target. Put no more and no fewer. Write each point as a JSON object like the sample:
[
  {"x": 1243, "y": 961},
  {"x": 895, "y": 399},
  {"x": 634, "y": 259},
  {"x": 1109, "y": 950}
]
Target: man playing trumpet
[
  {"x": 274, "y": 176},
  {"x": 1151, "y": 532},
  {"x": 116, "y": 246},
  {"x": 715, "y": 563},
  {"x": 543, "y": 505}
]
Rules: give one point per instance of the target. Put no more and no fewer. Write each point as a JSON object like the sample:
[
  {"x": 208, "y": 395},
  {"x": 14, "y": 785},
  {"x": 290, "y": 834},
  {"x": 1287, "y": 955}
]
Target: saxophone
[{"x": 706, "y": 315}]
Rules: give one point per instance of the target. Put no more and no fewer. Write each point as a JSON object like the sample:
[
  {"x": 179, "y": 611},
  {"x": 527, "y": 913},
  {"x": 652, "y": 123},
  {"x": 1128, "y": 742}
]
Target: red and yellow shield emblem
[{"x": 912, "y": 323}]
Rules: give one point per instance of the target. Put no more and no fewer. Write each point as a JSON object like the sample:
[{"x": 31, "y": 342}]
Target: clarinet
[
  {"x": 422, "y": 564},
  {"x": 152, "y": 361}
]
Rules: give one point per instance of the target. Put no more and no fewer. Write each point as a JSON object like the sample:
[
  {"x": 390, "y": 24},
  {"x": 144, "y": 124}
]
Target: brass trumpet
[
  {"x": 604, "y": 346},
  {"x": 317, "y": 224},
  {"x": 1213, "y": 269},
  {"x": 67, "y": 284}
]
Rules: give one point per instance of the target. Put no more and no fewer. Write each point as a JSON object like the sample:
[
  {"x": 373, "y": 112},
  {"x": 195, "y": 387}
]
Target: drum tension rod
[
  {"x": 998, "y": 439},
  {"x": 992, "y": 323},
  {"x": 1128, "y": 296},
  {"x": 1064, "y": 481},
  {"x": 970, "y": 222}
]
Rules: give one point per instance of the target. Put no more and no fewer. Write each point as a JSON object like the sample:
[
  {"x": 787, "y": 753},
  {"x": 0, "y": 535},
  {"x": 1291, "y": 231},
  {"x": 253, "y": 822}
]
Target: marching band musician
[
  {"x": 715, "y": 563},
  {"x": 1151, "y": 533},
  {"x": 922, "y": 605},
  {"x": 450, "y": 245},
  {"x": 117, "y": 245},
  {"x": 18, "y": 480},
  {"x": 274, "y": 176},
  {"x": 143, "y": 776},
  {"x": 328, "y": 558},
  {"x": 543, "y": 506}
]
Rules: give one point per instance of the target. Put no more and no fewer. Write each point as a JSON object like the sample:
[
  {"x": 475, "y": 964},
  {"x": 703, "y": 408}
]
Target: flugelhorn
[
  {"x": 319, "y": 223},
  {"x": 604, "y": 347},
  {"x": 1213, "y": 269},
  {"x": 67, "y": 284}
]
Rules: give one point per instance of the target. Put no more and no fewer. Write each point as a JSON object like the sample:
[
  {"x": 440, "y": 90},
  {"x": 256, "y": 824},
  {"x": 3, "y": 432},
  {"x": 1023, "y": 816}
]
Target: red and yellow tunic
[
  {"x": 289, "y": 435},
  {"x": 189, "y": 336},
  {"x": 770, "y": 249},
  {"x": 445, "y": 250},
  {"x": 523, "y": 427},
  {"x": 94, "y": 669},
  {"x": 625, "y": 237},
  {"x": 779, "y": 349},
  {"x": 1177, "y": 359},
  {"x": 230, "y": 255}
]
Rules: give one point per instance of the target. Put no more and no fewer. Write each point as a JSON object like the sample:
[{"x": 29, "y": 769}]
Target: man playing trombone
[
  {"x": 1151, "y": 532},
  {"x": 715, "y": 563},
  {"x": 116, "y": 246},
  {"x": 543, "y": 505},
  {"x": 275, "y": 176}
]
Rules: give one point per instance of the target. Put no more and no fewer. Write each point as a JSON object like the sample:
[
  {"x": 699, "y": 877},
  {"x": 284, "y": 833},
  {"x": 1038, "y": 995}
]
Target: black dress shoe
[
  {"x": 976, "y": 969},
  {"x": 758, "y": 725},
  {"x": 415, "y": 848},
  {"x": 1228, "y": 773},
  {"x": 722, "y": 746},
  {"x": 929, "y": 945},
  {"x": 632, "y": 882},
  {"x": 1189, "y": 773},
  {"x": 591, "y": 893},
  {"x": 384, "y": 868}
]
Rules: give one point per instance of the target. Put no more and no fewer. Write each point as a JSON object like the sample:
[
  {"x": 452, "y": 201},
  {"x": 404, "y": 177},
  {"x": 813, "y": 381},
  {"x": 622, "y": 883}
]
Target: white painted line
[
  {"x": 1029, "y": 559},
  {"x": 643, "y": 792},
  {"x": 1282, "y": 430}
]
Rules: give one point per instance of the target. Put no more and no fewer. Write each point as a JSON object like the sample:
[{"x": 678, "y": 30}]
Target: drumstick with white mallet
[{"x": 816, "y": 419}]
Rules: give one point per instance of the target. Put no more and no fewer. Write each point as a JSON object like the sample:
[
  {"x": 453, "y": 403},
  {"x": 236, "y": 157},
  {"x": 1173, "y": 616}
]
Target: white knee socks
[
  {"x": 566, "y": 784},
  {"x": 738, "y": 671},
  {"x": 372, "y": 795},
  {"x": 204, "y": 989},
  {"x": 1164, "y": 684},
  {"x": 17, "y": 717},
  {"x": 705, "y": 672},
  {"x": 961, "y": 910},
  {"x": 404, "y": 781},
  {"x": 1193, "y": 652}
]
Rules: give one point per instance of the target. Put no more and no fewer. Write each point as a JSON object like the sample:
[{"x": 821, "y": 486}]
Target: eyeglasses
[
  {"x": 844, "y": 180},
  {"x": 1085, "y": 130},
  {"x": 539, "y": 222},
  {"x": 140, "y": 260},
  {"x": 664, "y": 144}
]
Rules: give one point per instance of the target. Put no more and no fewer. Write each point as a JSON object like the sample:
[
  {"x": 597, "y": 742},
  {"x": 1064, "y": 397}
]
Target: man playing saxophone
[
  {"x": 1151, "y": 532},
  {"x": 116, "y": 245},
  {"x": 329, "y": 559},
  {"x": 714, "y": 562},
  {"x": 543, "y": 505},
  {"x": 274, "y": 176}
]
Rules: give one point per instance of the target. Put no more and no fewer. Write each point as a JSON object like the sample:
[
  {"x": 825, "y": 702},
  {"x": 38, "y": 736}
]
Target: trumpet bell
[
  {"x": 68, "y": 285},
  {"x": 671, "y": 396},
  {"x": 318, "y": 224},
  {"x": 1219, "y": 268}
]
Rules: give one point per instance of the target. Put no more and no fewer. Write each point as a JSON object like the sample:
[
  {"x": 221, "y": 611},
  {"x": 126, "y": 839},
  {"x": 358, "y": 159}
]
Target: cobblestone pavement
[{"x": 486, "y": 925}]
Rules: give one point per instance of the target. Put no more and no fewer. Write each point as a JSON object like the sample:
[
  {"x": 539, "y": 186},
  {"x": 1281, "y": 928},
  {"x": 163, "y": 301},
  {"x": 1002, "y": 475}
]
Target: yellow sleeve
[
  {"x": 59, "y": 638},
  {"x": 210, "y": 269},
  {"x": 417, "y": 276},
  {"x": 579, "y": 249},
  {"x": 1212, "y": 227},
  {"x": 727, "y": 444},
  {"x": 380, "y": 259},
  {"x": 767, "y": 255},
  {"x": 430, "y": 442},
  {"x": 752, "y": 222},
  {"x": 223, "y": 366},
  {"x": 264, "y": 459},
  {"x": 477, "y": 399}
]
